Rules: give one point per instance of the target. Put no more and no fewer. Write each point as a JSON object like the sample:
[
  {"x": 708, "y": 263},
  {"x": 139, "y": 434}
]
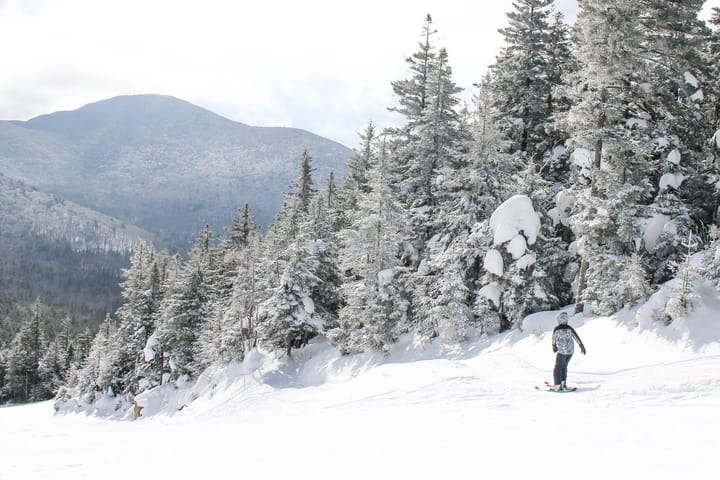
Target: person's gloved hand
[
  {"x": 582, "y": 349},
  {"x": 554, "y": 348}
]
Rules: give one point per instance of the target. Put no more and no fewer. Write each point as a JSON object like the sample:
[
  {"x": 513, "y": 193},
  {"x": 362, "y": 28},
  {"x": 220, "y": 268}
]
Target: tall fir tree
[
  {"x": 229, "y": 330},
  {"x": 532, "y": 63},
  {"x": 95, "y": 377},
  {"x": 185, "y": 309},
  {"x": 375, "y": 299},
  {"x": 612, "y": 144},
  {"x": 22, "y": 379}
]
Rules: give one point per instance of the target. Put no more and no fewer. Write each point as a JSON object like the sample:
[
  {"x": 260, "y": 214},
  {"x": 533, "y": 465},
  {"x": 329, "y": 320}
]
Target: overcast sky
[{"x": 319, "y": 65}]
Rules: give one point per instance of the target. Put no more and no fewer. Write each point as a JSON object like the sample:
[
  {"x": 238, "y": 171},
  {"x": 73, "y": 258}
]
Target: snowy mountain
[
  {"x": 646, "y": 407},
  {"x": 65, "y": 254},
  {"x": 24, "y": 209},
  {"x": 161, "y": 163}
]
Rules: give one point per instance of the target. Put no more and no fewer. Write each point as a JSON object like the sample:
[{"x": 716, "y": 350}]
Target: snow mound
[
  {"x": 513, "y": 216},
  {"x": 654, "y": 228},
  {"x": 494, "y": 262},
  {"x": 673, "y": 180}
]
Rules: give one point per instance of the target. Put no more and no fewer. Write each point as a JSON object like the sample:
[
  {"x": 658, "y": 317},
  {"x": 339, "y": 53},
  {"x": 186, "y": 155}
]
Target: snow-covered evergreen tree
[
  {"x": 143, "y": 290},
  {"x": 55, "y": 364},
  {"x": 96, "y": 375},
  {"x": 356, "y": 180},
  {"x": 22, "y": 378},
  {"x": 375, "y": 298},
  {"x": 229, "y": 330},
  {"x": 674, "y": 43},
  {"x": 683, "y": 298},
  {"x": 535, "y": 56},
  {"x": 287, "y": 319},
  {"x": 413, "y": 92},
  {"x": 185, "y": 308},
  {"x": 612, "y": 144}
]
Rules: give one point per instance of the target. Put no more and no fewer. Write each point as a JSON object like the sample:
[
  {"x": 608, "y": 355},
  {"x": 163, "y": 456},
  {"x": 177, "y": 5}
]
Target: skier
[{"x": 563, "y": 343}]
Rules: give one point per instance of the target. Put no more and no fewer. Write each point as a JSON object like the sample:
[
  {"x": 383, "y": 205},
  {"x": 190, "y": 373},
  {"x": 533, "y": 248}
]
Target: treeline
[
  {"x": 586, "y": 172},
  {"x": 39, "y": 347}
]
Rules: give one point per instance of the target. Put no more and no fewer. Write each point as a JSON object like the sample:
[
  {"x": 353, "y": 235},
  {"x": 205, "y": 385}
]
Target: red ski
[{"x": 549, "y": 388}]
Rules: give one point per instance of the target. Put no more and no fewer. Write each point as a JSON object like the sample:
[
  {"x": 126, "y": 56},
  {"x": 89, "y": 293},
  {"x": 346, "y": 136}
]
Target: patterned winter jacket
[{"x": 562, "y": 339}]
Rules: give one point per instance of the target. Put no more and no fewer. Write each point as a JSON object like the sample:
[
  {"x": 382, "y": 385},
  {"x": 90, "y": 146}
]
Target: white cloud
[{"x": 321, "y": 65}]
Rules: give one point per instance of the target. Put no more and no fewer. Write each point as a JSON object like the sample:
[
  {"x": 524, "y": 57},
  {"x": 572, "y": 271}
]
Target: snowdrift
[{"x": 628, "y": 341}]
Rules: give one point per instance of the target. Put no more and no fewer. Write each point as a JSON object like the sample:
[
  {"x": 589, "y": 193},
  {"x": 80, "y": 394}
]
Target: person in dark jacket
[{"x": 563, "y": 343}]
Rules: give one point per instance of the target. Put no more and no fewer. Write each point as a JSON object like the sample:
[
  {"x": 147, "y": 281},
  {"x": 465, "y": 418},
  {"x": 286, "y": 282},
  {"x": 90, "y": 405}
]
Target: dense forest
[{"x": 586, "y": 172}]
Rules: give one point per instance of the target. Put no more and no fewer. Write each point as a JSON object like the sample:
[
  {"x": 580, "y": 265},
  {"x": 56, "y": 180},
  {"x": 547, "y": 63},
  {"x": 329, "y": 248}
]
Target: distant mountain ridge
[
  {"x": 161, "y": 163},
  {"x": 25, "y": 210}
]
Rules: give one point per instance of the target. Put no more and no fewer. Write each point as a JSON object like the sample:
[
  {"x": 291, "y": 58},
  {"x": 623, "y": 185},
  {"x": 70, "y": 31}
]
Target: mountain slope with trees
[
  {"x": 161, "y": 163},
  {"x": 460, "y": 222}
]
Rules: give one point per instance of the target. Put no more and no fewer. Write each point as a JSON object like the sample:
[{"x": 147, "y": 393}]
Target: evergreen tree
[
  {"x": 143, "y": 291},
  {"x": 637, "y": 286},
  {"x": 413, "y": 92},
  {"x": 359, "y": 164},
  {"x": 297, "y": 203},
  {"x": 683, "y": 298},
  {"x": 375, "y": 300},
  {"x": 612, "y": 145},
  {"x": 185, "y": 307},
  {"x": 287, "y": 319},
  {"x": 55, "y": 364},
  {"x": 3, "y": 372},
  {"x": 98, "y": 371},
  {"x": 22, "y": 379},
  {"x": 524, "y": 82},
  {"x": 229, "y": 328},
  {"x": 289, "y": 225}
]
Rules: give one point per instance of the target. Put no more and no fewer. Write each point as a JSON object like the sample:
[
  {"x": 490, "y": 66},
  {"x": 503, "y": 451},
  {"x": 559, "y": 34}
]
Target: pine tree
[
  {"x": 375, "y": 300},
  {"x": 683, "y": 298},
  {"x": 289, "y": 225},
  {"x": 55, "y": 364},
  {"x": 3, "y": 372},
  {"x": 22, "y": 379},
  {"x": 185, "y": 307},
  {"x": 636, "y": 286},
  {"x": 96, "y": 376},
  {"x": 287, "y": 319},
  {"x": 520, "y": 80},
  {"x": 359, "y": 164},
  {"x": 229, "y": 329},
  {"x": 143, "y": 291},
  {"x": 612, "y": 145},
  {"x": 413, "y": 93}
]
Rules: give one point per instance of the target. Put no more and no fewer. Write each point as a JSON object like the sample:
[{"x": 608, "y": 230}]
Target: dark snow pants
[{"x": 561, "y": 366}]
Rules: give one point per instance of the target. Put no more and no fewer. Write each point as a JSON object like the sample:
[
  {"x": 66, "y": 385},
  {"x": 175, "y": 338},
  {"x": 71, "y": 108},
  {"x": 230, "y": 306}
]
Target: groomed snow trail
[{"x": 647, "y": 407}]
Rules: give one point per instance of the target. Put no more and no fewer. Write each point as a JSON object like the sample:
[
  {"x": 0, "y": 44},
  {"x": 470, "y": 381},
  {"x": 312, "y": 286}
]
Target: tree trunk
[{"x": 582, "y": 279}]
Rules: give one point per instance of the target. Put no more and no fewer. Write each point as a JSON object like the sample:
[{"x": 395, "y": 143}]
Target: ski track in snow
[{"x": 646, "y": 407}]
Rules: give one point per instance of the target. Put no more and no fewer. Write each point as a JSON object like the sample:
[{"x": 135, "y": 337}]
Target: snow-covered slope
[
  {"x": 646, "y": 407},
  {"x": 24, "y": 209},
  {"x": 161, "y": 163}
]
